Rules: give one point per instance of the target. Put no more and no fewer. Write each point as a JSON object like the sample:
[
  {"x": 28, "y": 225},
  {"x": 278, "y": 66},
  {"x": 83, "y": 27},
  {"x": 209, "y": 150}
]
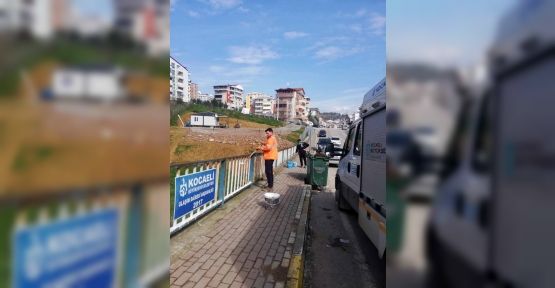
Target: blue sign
[
  {"x": 80, "y": 251},
  {"x": 193, "y": 191}
]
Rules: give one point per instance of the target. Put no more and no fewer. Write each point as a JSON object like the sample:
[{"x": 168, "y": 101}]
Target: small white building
[
  {"x": 206, "y": 119},
  {"x": 93, "y": 82}
]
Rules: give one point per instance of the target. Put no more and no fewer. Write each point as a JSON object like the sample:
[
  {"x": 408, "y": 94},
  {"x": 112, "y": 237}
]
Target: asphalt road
[{"x": 338, "y": 253}]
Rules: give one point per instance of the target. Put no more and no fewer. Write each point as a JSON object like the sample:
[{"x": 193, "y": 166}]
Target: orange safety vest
[{"x": 270, "y": 148}]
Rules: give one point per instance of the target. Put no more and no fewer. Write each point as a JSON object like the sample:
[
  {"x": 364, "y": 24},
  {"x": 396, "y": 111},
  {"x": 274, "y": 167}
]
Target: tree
[{"x": 313, "y": 119}]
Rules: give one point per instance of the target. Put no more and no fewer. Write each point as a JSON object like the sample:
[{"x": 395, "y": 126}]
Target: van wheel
[{"x": 341, "y": 202}]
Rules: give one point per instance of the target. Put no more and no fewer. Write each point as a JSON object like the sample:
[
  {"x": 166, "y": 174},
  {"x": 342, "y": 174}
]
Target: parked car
[
  {"x": 336, "y": 141},
  {"x": 322, "y": 133},
  {"x": 338, "y": 153},
  {"x": 322, "y": 142}
]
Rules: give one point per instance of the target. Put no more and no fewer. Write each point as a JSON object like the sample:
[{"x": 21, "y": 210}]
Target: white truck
[
  {"x": 361, "y": 177},
  {"x": 491, "y": 224}
]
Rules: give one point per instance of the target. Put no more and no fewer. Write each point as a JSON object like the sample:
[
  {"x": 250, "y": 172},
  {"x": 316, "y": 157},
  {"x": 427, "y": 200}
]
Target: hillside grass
[
  {"x": 230, "y": 113},
  {"x": 294, "y": 136}
]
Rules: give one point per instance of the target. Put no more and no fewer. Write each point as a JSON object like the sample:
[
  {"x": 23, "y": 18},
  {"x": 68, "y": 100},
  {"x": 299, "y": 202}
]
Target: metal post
[
  {"x": 251, "y": 173},
  {"x": 133, "y": 239},
  {"x": 221, "y": 185}
]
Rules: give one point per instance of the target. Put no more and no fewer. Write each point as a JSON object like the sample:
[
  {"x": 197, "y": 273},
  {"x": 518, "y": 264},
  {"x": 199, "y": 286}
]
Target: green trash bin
[
  {"x": 317, "y": 170},
  {"x": 395, "y": 213}
]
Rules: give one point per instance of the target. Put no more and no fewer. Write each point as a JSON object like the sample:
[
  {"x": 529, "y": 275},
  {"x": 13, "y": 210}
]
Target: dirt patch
[
  {"x": 212, "y": 143},
  {"x": 66, "y": 145}
]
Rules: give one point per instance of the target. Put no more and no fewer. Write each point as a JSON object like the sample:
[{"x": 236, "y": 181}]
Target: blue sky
[
  {"x": 444, "y": 33},
  {"x": 335, "y": 50},
  {"x": 102, "y": 8}
]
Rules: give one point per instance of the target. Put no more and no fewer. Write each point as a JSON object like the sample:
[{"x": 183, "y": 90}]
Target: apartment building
[
  {"x": 206, "y": 97},
  {"x": 307, "y": 106},
  {"x": 291, "y": 104},
  {"x": 263, "y": 105},
  {"x": 40, "y": 19},
  {"x": 194, "y": 93},
  {"x": 231, "y": 94},
  {"x": 146, "y": 21},
  {"x": 179, "y": 81}
]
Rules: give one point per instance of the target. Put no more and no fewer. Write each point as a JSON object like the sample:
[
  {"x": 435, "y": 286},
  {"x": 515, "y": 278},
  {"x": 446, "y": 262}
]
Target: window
[
  {"x": 173, "y": 65},
  {"x": 349, "y": 142},
  {"x": 482, "y": 142},
  {"x": 358, "y": 141}
]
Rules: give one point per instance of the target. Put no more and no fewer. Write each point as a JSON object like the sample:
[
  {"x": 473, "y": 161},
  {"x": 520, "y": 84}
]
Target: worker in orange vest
[{"x": 270, "y": 148}]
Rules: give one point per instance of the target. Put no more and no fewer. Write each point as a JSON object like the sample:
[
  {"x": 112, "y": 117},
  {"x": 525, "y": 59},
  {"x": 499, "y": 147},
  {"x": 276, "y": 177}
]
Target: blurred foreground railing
[
  {"x": 200, "y": 187},
  {"x": 109, "y": 236}
]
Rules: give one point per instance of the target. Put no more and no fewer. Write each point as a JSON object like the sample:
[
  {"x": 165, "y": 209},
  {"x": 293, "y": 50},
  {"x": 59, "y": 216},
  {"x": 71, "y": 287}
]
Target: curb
[{"x": 296, "y": 268}]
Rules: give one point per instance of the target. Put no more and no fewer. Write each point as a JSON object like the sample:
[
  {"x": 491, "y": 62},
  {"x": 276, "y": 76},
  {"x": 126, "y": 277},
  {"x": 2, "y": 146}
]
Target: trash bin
[
  {"x": 396, "y": 207},
  {"x": 317, "y": 170}
]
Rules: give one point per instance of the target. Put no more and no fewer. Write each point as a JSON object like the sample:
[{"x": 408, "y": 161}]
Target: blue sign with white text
[
  {"x": 193, "y": 191},
  {"x": 80, "y": 251}
]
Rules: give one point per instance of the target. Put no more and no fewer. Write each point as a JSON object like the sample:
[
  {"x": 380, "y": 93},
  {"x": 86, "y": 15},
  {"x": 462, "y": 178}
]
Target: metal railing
[
  {"x": 233, "y": 175},
  {"x": 133, "y": 213}
]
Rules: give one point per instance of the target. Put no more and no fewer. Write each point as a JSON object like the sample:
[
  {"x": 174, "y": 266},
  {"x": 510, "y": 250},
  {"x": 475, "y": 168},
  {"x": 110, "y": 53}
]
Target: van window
[
  {"x": 482, "y": 142},
  {"x": 349, "y": 142},
  {"x": 358, "y": 141}
]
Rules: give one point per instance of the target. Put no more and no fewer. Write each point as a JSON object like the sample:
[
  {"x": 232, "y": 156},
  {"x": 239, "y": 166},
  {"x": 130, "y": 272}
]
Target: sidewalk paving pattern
[{"x": 251, "y": 246}]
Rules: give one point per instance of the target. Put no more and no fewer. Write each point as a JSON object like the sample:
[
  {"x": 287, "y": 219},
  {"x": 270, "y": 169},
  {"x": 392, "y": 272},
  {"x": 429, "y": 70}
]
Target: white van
[
  {"x": 491, "y": 223},
  {"x": 360, "y": 179}
]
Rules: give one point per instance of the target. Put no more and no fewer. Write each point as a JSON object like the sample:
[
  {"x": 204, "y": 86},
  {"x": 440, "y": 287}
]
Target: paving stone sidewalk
[{"x": 251, "y": 246}]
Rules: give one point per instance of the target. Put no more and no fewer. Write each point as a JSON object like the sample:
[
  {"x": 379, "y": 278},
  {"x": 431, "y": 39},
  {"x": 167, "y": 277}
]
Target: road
[{"x": 330, "y": 262}]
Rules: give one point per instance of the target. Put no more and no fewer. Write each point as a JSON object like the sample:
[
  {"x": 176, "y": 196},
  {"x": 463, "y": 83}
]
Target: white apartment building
[
  {"x": 263, "y": 105},
  {"x": 307, "y": 105},
  {"x": 179, "y": 81},
  {"x": 206, "y": 97},
  {"x": 40, "y": 18},
  {"x": 251, "y": 96},
  {"x": 231, "y": 94}
]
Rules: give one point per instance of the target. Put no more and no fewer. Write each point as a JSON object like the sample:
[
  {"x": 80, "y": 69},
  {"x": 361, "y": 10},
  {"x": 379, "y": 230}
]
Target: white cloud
[
  {"x": 357, "y": 14},
  {"x": 334, "y": 52},
  {"x": 360, "y": 13},
  {"x": 222, "y": 4},
  {"x": 172, "y": 5},
  {"x": 328, "y": 40},
  {"x": 250, "y": 70},
  {"x": 193, "y": 14},
  {"x": 251, "y": 54},
  {"x": 243, "y": 10},
  {"x": 350, "y": 103},
  {"x": 238, "y": 71},
  {"x": 356, "y": 90},
  {"x": 294, "y": 34},
  {"x": 216, "y": 69},
  {"x": 328, "y": 52},
  {"x": 356, "y": 27},
  {"x": 377, "y": 24}
]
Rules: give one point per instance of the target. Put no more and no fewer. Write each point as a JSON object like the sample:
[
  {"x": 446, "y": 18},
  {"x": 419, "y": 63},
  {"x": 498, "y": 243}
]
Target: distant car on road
[
  {"x": 336, "y": 141},
  {"x": 322, "y": 142},
  {"x": 322, "y": 133}
]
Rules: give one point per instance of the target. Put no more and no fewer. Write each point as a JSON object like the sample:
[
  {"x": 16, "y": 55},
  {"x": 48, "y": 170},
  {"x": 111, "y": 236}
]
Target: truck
[
  {"x": 491, "y": 222},
  {"x": 360, "y": 181}
]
